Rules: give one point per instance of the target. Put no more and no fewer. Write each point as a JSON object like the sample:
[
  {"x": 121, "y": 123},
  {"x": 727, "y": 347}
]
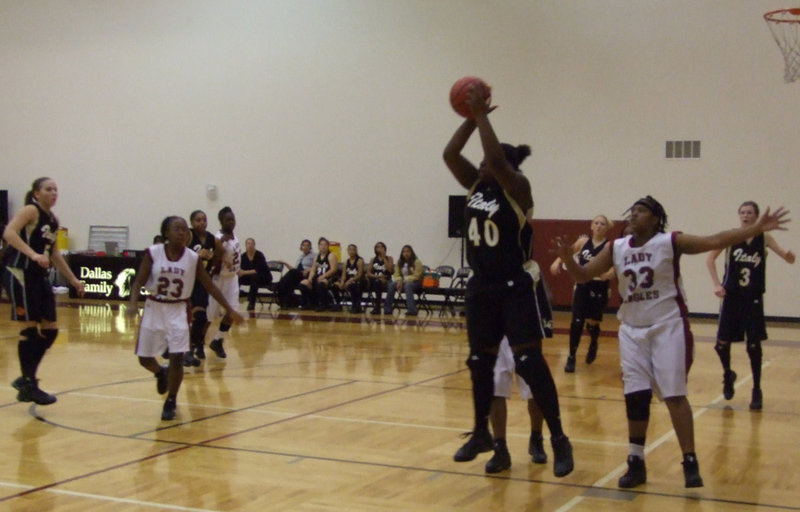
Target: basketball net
[{"x": 785, "y": 27}]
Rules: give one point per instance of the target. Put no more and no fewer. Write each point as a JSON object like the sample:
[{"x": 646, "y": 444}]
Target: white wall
[{"x": 328, "y": 117}]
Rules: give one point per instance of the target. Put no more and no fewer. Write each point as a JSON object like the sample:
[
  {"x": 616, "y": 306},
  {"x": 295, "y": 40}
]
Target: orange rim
[{"x": 770, "y": 16}]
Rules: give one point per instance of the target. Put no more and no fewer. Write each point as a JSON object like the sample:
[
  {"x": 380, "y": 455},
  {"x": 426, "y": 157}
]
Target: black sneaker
[
  {"x": 479, "y": 442},
  {"x": 375, "y": 311},
  {"x": 536, "y": 449},
  {"x": 691, "y": 471},
  {"x": 216, "y": 346},
  {"x": 29, "y": 391},
  {"x": 563, "y": 464},
  {"x": 636, "y": 475},
  {"x": 728, "y": 378},
  {"x": 168, "y": 412},
  {"x": 570, "y": 366},
  {"x": 591, "y": 354},
  {"x": 200, "y": 352},
  {"x": 190, "y": 360},
  {"x": 757, "y": 401},
  {"x": 18, "y": 383},
  {"x": 161, "y": 380},
  {"x": 501, "y": 460}
]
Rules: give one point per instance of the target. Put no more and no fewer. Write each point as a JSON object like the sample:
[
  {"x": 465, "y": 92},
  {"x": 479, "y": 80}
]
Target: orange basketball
[{"x": 458, "y": 94}]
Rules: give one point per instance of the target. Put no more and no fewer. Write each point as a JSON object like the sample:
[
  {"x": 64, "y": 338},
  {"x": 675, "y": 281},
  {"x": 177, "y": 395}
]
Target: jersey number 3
[
  {"x": 744, "y": 277},
  {"x": 491, "y": 234}
]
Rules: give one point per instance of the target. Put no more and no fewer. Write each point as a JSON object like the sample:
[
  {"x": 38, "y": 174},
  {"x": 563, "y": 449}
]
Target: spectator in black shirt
[{"x": 254, "y": 273}]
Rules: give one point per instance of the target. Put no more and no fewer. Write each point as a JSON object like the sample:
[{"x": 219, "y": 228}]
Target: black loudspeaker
[
  {"x": 3, "y": 207},
  {"x": 455, "y": 216}
]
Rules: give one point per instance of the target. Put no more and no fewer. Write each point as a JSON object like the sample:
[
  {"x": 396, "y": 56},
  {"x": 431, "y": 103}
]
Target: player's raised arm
[
  {"x": 512, "y": 181},
  {"x": 463, "y": 170},
  {"x": 693, "y": 244},
  {"x": 595, "y": 268}
]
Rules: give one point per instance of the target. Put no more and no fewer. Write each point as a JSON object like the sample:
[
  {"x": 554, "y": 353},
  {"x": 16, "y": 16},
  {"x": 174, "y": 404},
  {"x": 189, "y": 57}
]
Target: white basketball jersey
[
  {"x": 649, "y": 280},
  {"x": 231, "y": 253},
  {"x": 171, "y": 281}
]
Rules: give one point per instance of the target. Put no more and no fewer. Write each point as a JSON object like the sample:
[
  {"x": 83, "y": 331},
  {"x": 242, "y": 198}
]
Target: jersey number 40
[{"x": 491, "y": 234}]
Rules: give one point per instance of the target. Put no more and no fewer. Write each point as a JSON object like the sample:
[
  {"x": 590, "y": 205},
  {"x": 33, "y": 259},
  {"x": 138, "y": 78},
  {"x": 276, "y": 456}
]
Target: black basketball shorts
[
  {"x": 589, "y": 300},
  {"x": 741, "y": 315},
  {"x": 502, "y": 308},
  {"x": 31, "y": 295}
]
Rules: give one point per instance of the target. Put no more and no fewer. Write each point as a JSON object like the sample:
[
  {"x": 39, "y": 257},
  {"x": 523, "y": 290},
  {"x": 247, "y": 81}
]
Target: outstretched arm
[
  {"x": 692, "y": 244},
  {"x": 555, "y": 267},
  {"x": 463, "y": 170},
  {"x": 788, "y": 256},
  {"x": 582, "y": 274}
]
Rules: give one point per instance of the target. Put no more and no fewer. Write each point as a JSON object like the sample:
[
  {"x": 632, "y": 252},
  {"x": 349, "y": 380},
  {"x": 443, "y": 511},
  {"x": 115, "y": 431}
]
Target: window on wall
[{"x": 682, "y": 149}]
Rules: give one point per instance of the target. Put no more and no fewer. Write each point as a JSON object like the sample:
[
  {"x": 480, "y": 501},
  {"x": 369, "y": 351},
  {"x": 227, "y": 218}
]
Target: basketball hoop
[{"x": 785, "y": 27}]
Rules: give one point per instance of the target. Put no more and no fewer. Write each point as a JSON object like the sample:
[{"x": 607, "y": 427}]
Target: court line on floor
[
  {"x": 113, "y": 499},
  {"x": 185, "y": 446},
  {"x": 617, "y": 471},
  {"x": 205, "y": 444},
  {"x": 316, "y": 416}
]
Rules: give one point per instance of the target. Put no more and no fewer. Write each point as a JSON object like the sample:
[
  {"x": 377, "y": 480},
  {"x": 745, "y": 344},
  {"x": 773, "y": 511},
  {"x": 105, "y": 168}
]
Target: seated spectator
[
  {"x": 291, "y": 279},
  {"x": 352, "y": 278},
  {"x": 254, "y": 272},
  {"x": 379, "y": 272},
  {"x": 407, "y": 277},
  {"x": 320, "y": 277},
  {"x": 158, "y": 239}
]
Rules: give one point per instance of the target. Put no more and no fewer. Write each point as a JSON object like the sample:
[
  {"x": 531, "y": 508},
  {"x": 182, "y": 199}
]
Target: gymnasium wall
[{"x": 328, "y": 117}]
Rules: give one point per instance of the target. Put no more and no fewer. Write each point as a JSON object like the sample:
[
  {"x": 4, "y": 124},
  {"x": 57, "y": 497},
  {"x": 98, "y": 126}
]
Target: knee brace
[
  {"x": 637, "y": 405},
  {"x": 593, "y": 330},
  {"x": 754, "y": 349},
  {"x": 530, "y": 364},
  {"x": 28, "y": 334},
  {"x": 575, "y": 331},
  {"x": 481, "y": 364},
  {"x": 197, "y": 331},
  {"x": 49, "y": 336}
]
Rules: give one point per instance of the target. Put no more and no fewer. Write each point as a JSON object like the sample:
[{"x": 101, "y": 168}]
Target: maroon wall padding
[{"x": 544, "y": 231}]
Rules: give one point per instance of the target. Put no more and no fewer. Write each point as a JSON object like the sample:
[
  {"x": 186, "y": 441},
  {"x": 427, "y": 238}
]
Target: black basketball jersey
[
  {"x": 589, "y": 251},
  {"x": 197, "y": 245},
  {"x": 40, "y": 238},
  {"x": 745, "y": 267},
  {"x": 498, "y": 233},
  {"x": 379, "y": 267},
  {"x": 351, "y": 269},
  {"x": 322, "y": 264}
]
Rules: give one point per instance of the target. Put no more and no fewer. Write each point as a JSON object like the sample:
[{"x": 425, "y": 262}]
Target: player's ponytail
[
  {"x": 35, "y": 186},
  {"x": 515, "y": 155}
]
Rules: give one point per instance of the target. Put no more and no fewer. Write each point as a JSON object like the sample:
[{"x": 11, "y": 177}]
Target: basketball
[{"x": 458, "y": 94}]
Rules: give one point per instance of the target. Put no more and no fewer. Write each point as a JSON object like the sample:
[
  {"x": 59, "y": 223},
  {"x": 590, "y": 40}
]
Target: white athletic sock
[{"x": 637, "y": 450}]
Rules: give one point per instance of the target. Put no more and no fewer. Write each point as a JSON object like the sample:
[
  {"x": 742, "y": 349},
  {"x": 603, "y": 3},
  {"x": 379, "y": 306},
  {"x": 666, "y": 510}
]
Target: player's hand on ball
[{"x": 477, "y": 101}]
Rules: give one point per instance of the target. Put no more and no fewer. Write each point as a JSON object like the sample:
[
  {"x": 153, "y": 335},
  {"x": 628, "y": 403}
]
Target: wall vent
[{"x": 682, "y": 149}]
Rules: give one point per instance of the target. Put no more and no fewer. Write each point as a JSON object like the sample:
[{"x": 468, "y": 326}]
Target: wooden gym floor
[{"x": 332, "y": 411}]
